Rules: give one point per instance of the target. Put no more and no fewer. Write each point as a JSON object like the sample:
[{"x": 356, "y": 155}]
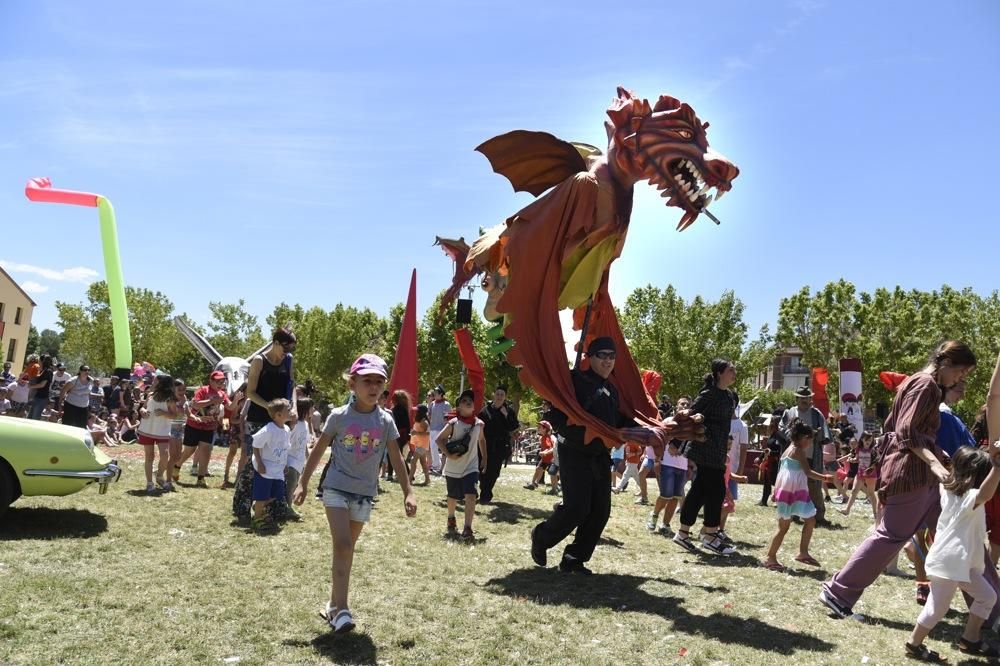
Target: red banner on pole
[
  {"x": 470, "y": 359},
  {"x": 404, "y": 367},
  {"x": 820, "y": 378}
]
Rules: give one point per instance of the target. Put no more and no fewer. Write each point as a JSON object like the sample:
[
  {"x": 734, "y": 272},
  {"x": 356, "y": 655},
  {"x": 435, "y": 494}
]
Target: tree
[
  {"x": 49, "y": 342},
  {"x": 679, "y": 339},
  {"x": 31, "y": 346},
  {"x": 233, "y": 330}
]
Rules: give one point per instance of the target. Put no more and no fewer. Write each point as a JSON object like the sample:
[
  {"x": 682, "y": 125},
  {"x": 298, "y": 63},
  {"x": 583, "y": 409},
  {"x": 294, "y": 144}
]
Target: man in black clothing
[
  {"x": 501, "y": 421},
  {"x": 584, "y": 467}
]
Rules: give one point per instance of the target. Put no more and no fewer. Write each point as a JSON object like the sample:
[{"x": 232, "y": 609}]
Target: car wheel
[{"x": 8, "y": 487}]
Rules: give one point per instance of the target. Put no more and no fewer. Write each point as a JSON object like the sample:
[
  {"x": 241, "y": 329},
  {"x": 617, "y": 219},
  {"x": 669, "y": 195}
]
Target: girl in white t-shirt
[
  {"x": 461, "y": 470},
  {"x": 154, "y": 431},
  {"x": 957, "y": 558}
]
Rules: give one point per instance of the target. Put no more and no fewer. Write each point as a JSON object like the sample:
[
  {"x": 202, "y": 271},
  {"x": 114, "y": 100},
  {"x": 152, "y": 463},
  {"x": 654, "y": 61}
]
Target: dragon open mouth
[{"x": 689, "y": 184}]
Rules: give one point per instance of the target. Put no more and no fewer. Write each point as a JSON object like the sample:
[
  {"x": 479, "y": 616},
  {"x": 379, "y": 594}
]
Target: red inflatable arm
[{"x": 40, "y": 190}]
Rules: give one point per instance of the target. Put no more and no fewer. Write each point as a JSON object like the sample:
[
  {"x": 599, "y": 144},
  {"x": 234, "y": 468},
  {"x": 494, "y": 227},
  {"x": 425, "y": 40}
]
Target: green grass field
[{"x": 125, "y": 578}]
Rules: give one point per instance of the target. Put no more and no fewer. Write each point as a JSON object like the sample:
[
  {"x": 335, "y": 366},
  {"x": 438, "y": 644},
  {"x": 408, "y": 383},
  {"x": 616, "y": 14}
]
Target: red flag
[
  {"x": 892, "y": 380},
  {"x": 820, "y": 378},
  {"x": 404, "y": 367},
  {"x": 652, "y": 381},
  {"x": 470, "y": 359}
]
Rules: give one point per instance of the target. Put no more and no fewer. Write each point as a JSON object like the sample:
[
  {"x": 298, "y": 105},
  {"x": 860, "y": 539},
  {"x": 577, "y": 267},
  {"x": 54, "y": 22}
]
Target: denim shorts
[
  {"x": 359, "y": 507},
  {"x": 672, "y": 481},
  {"x": 734, "y": 489},
  {"x": 647, "y": 464}
]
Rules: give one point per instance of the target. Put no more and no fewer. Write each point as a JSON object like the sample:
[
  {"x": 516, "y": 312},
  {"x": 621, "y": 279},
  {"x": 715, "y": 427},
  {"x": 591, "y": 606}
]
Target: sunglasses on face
[{"x": 605, "y": 355}]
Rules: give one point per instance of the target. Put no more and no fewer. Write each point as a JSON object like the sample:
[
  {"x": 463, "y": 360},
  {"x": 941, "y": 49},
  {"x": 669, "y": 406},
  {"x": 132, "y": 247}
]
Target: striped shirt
[{"x": 912, "y": 424}]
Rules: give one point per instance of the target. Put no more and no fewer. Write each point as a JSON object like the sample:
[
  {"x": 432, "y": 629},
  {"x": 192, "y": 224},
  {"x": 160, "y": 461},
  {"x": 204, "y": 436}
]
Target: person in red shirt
[
  {"x": 546, "y": 451},
  {"x": 207, "y": 410}
]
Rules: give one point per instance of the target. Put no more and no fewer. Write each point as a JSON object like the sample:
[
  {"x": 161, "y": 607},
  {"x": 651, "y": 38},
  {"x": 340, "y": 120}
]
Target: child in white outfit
[{"x": 957, "y": 558}]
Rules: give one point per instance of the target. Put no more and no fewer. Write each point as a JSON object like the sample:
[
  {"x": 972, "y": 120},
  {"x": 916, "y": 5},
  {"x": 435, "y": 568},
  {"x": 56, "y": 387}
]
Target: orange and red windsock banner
[
  {"x": 470, "y": 359},
  {"x": 404, "y": 367},
  {"x": 820, "y": 378}
]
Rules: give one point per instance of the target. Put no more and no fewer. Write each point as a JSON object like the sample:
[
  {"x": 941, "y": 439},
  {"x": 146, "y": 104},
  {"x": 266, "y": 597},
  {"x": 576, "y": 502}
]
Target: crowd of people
[{"x": 929, "y": 481}]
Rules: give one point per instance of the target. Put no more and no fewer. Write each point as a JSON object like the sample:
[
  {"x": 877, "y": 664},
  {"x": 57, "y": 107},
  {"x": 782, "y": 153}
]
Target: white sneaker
[
  {"x": 342, "y": 622},
  {"x": 714, "y": 544},
  {"x": 651, "y": 522}
]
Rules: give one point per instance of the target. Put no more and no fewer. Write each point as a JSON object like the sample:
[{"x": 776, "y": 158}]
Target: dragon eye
[{"x": 685, "y": 134}]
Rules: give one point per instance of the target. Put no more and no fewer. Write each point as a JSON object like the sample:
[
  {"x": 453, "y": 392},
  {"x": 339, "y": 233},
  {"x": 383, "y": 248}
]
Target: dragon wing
[
  {"x": 535, "y": 161},
  {"x": 458, "y": 250}
]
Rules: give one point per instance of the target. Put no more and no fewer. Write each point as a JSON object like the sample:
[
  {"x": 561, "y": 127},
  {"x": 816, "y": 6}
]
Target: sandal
[
  {"x": 807, "y": 559},
  {"x": 923, "y": 653},
  {"x": 342, "y": 622},
  {"x": 980, "y": 647},
  {"x": 923, "y": 591},
  {"x": 777, "y": 567}
]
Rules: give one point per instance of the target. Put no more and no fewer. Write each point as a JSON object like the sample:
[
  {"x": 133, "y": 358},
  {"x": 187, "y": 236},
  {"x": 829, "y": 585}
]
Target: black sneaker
[
  {"x": 538, "y": 554},
  {"x": 831, "y": 602},
  {"x": 574, "y": 567},
  {"x": 725, "y": 538},
  {"x": 713, "y": 544},
  {"x": 683, "y": 539}
]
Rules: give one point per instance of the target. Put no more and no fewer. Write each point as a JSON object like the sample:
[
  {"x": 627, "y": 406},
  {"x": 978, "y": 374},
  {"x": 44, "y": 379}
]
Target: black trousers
[
  {"x": 586, "y": 503},
  {"x": 708, "y": 490},
  {"x": 75, "y": 416},
  {"x": 495, "y": 455}
]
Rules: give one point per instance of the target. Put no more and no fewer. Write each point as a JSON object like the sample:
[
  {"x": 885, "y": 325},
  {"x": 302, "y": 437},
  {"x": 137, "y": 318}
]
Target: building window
[
  {"x": 1, "y": 311},
  {"x": 11, "y": 349},
  {"x": 17, "y": 316}
]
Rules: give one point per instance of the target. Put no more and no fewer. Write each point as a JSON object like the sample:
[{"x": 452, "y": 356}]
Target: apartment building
[{"x": 16, "y": 308}]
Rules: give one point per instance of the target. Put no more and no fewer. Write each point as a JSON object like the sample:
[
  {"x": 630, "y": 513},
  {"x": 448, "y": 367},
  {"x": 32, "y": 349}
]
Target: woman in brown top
[{"x": 910, "y": 471}]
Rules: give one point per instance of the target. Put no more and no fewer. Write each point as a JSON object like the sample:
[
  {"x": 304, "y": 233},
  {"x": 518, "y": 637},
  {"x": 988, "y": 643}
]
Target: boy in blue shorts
[{"x": 270, "y": 456}]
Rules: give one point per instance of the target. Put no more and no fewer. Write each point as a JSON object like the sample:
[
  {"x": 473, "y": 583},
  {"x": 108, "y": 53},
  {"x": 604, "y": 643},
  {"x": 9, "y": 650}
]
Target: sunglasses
[{"x": 605, "y": 355}]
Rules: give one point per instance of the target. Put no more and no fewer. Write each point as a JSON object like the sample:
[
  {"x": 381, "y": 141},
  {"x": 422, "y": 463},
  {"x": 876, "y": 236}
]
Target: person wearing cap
[
  {"x": 812, "y": 417},
  {"x": 359, "y": 435},
  {"x": 59, "y": 379},
  {"x": 584, "y": 467},
  {"x": 207, "y": 412},
  {"x": 6, "y": 377},
  {"x": 438, "y": 409},
  {"x": 75, "y": 398},
  {"x": 501, "y": 422},
  {"x": 271, "y": 376}
]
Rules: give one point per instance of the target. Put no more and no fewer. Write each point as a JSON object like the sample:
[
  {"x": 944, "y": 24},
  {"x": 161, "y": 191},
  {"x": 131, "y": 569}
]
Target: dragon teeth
[{"x": 718, "y": 194}]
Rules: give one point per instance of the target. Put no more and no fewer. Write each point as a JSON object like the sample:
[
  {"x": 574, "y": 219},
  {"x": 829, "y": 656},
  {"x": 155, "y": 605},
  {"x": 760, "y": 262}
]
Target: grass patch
[{"x": 167, "y": 579}]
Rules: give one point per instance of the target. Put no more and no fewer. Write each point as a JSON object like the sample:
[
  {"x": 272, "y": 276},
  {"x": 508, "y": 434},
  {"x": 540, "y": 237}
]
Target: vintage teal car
[{"x": 40, "y": 458}]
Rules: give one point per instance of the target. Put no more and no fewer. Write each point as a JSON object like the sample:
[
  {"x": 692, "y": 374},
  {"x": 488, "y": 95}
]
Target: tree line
[{"x": 888, "y": 329}]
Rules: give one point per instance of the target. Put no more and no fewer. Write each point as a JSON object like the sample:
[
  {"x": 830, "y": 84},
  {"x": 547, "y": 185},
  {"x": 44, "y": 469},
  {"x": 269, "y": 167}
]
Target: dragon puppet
[{"x": 556, "y": 252}]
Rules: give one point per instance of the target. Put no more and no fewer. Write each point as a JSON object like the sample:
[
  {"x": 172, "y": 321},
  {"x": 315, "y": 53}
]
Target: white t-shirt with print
[
  {"x": 299, "y": 444},
  {"x": 273, "y": 441},
  {"x": 961, "y": 535},
  {"x": 468, "y": 463},
  {"x": 741, "y": 437}
]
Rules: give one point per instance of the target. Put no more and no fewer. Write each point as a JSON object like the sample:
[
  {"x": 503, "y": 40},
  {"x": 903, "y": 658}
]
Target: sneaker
[
  {"x": 292, "y": 515},
  {"x": 651, "y": 522},
  {"x": 452, "y": 526},
  {"x": 714, "y": 544},
  {"x": 665, "y": 531},
  {"x": 194, "y": 470},
  {"x": 150, "y": 489},
  {"x": 467, "y": 535},
  {"x": 168, "y": 487},
  {"x": 725, "y": 538},
  {"x": 831, "y": 602},
  {"x": 574, "y": 566},
  {"x": 538, "y": 554},
  {"x": 342, "y": 622},
  {"x": 201, "y": 483},
  {"x": 642, "y": 501},
  {"x": 530, "y": 486},
  {"x": 683, "y": 539}
]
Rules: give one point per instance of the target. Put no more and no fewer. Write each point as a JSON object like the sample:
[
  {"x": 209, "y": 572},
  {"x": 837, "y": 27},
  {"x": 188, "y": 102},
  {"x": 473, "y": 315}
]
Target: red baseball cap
[{"x": 217, "y": 374}]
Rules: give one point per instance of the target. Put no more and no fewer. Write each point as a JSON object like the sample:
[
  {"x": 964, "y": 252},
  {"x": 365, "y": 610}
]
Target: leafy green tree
[
  {"x": 232, "y": 330},
  {"x": 31, "y": 345},
  {"x": 679, "y": 339},
  {"x": 49, "y": 342}
]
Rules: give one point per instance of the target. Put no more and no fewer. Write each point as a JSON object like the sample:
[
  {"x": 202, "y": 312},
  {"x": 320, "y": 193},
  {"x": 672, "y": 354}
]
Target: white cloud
[
  {"x": 34, "y": 287},
  {"x": 75, "y": 274}
]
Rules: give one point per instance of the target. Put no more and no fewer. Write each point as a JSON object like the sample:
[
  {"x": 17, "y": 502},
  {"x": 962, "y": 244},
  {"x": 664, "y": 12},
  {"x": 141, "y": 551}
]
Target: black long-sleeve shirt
[
  {"x": 497, "y": 428},
  {"x": 598, "y": 397},
  {"x": 717, "y": 407}
]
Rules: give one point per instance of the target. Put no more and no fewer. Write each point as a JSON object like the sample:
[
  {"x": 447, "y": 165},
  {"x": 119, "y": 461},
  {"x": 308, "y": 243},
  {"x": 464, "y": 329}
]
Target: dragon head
[{"x": 667, "y": 146}]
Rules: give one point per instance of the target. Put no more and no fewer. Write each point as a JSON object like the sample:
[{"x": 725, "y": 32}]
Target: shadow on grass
[
  {"x": 512, "y": 514},
  {"x": 45, "y": 523},
  {"x": 353, "y": 648},
  {"x": 615, "y": 591}
]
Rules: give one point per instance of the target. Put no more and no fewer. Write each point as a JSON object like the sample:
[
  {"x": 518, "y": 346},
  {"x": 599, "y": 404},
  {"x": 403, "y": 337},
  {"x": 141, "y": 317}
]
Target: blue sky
[{"x": 310, "y": 152}]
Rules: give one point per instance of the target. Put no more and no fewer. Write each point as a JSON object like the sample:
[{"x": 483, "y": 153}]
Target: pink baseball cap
[{"x": 369, "y": 364}]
